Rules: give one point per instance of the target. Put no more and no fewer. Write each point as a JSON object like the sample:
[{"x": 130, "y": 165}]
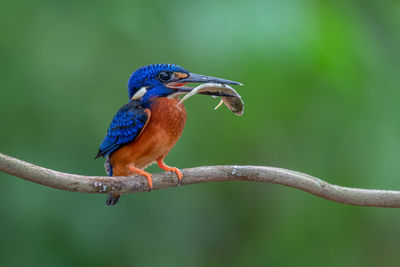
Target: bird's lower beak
[{"x": 198, "y": 78}]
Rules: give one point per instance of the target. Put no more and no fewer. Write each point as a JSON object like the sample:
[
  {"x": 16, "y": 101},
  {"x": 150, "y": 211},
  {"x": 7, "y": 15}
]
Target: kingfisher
[{"x": 145, "y": 129}]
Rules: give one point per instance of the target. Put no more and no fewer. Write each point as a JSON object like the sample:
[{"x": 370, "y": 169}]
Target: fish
[{"x": 233, "y": 100}]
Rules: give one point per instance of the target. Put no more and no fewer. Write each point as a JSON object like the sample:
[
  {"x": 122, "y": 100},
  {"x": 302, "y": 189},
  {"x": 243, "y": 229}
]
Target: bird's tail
[{"x": 112, "y": 199}]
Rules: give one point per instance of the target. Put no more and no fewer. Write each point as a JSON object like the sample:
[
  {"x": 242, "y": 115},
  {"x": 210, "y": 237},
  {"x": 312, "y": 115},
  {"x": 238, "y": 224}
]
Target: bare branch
[{"x": 136, "y": 184}]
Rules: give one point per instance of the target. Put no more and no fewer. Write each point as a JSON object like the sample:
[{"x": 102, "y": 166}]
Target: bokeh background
[{"x": 322, "y": 97}]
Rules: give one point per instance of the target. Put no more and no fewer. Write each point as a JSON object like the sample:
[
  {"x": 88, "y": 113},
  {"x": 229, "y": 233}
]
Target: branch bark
[{"x": 136, "y": 184}]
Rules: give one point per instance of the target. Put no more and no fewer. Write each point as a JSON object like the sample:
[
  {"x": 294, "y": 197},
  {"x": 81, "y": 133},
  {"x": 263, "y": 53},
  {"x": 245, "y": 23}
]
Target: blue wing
[{"x": 126, "y": 125}]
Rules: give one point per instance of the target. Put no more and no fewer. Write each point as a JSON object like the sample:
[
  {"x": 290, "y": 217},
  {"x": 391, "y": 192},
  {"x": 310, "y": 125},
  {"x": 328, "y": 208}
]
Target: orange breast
[{"x": 163, "y": 130}]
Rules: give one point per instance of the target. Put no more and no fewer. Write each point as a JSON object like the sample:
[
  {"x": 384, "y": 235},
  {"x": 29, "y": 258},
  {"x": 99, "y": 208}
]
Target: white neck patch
[{"x": 139, "y": 94}]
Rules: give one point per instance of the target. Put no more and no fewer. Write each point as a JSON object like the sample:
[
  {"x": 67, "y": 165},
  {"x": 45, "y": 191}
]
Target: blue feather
[
  {"x": 126, "y": 125},
  {"x": 144, "y": 76}
]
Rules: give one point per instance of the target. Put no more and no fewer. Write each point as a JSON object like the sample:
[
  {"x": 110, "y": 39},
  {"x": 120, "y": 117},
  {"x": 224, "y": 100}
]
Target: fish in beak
[{"x": 213, "y": 86}]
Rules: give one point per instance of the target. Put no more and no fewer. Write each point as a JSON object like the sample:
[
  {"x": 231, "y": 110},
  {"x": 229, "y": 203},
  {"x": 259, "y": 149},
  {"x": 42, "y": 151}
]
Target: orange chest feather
[
  {"x": 167, "y": 118},
  {"x": 165, "y": 126}
]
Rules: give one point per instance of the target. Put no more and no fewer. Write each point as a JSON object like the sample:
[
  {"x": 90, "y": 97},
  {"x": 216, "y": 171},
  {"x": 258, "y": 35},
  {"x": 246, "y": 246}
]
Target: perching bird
[{"x": 146, "y": 128}]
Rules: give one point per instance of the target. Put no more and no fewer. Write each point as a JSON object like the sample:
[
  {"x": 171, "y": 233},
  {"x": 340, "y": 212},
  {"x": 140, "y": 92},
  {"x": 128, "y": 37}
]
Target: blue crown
[{"x": 142, "y": 75}]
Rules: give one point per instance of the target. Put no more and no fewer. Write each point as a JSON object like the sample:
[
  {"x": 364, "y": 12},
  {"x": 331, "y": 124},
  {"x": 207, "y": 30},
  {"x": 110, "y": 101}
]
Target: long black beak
[{"x": 198, "y": 78}]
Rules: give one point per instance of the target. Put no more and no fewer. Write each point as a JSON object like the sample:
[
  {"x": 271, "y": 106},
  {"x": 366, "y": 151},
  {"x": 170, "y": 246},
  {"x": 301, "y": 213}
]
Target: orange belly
[{"x": 158, "y": 137}]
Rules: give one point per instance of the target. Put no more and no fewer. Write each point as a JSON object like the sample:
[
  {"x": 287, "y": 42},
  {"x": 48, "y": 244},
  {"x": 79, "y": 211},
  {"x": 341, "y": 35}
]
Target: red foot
[
  {"x": 133, "y": 169},
  {"x": 167, "y": 168}
]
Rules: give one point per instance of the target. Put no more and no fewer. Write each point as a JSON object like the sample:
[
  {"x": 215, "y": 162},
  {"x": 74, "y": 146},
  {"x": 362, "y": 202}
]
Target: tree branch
[{"x": 136, "y": 184}]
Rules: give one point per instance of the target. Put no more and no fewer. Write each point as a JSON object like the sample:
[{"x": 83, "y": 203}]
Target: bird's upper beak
[{"x": 199, "y": 78}]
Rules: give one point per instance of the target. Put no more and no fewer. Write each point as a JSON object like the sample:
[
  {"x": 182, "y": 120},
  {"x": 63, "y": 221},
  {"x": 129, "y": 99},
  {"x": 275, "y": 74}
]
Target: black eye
[{"x": 164, "y": 76}]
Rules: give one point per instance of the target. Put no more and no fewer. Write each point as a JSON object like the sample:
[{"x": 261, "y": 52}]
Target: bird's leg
[
  {"x": 133, "y": 169},
  {"x": 167, "y": 168}
]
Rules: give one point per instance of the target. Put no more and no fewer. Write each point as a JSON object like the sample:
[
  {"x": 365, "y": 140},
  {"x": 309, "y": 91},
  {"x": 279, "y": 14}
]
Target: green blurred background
[{"x": 321, "y": 92}]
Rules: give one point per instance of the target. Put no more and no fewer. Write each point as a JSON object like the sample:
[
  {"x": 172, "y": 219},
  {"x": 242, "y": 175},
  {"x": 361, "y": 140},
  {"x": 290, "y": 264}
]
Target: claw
[
  {"x": 133, "y": 169},
  {"x": 167, "y": 168}
]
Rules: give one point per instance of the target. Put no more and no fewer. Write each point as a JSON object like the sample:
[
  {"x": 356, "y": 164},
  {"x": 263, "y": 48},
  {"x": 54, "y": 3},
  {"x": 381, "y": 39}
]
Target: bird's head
[{"x": 160, "y": 80}]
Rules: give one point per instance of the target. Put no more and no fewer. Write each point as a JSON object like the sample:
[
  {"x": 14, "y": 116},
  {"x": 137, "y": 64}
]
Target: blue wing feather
[{"x": 126, "y": 125}]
